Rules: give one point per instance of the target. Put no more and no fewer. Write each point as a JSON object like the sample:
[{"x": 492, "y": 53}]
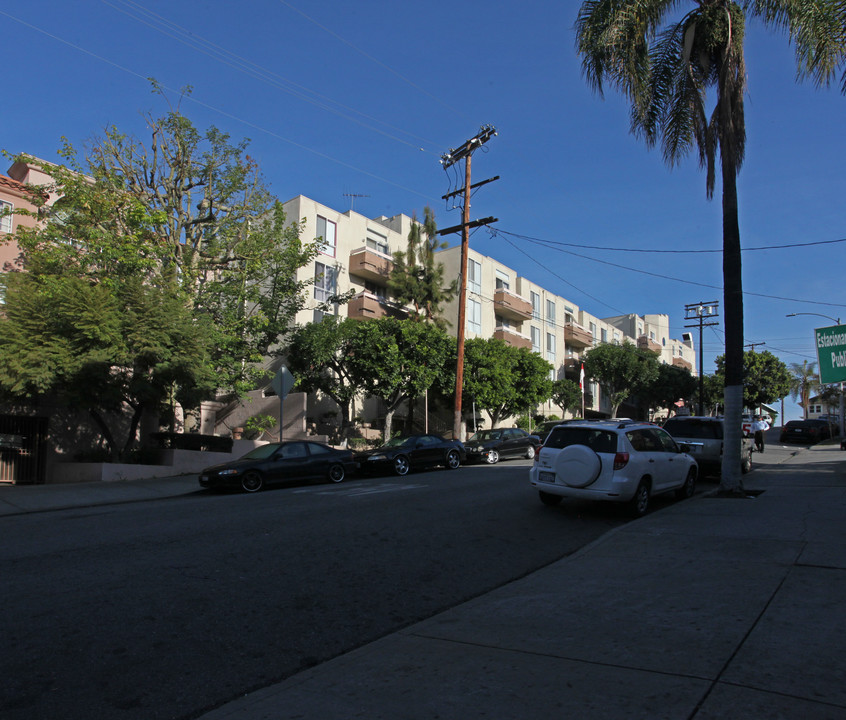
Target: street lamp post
[{"x": 842, "y": 399}]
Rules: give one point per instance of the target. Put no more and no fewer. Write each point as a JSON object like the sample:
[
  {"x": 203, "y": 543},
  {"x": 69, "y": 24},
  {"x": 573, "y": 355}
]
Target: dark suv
[{"x": 704, "y": 438}]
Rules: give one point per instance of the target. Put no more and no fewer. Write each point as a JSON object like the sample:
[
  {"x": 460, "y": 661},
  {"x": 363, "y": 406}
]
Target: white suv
[{"x": 614, "y": 460}]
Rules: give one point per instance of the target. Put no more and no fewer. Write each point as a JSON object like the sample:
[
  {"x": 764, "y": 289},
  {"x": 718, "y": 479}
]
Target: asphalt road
[{"x": 167, "y": 609}]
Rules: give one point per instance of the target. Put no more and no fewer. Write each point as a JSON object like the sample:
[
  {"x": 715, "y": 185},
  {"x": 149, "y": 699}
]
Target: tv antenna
[{"x": 352, "y": 197}]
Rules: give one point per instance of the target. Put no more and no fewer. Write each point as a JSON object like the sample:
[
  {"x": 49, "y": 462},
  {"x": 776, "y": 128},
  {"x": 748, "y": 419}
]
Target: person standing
[{"x": 759, "y": 427}]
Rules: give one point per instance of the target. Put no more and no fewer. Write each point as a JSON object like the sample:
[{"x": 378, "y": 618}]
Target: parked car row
[{"x": 299, "y": 460}]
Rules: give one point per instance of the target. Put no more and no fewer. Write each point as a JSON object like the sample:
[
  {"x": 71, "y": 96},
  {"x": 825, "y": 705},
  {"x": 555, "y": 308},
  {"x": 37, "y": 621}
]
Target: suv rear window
[
  {"x": 600, "y": 441},
  {"x": 695, "y": 429}
]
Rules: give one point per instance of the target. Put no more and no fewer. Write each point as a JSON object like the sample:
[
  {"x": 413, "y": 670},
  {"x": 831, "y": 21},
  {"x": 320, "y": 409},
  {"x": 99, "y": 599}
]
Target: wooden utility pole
[
  {"x": 464, "y": 152},
  {"x": 699, "y": 311}
]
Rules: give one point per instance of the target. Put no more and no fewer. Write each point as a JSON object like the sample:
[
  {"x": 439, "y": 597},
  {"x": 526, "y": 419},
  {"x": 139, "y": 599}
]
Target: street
[{"x": 166, "y": 609}]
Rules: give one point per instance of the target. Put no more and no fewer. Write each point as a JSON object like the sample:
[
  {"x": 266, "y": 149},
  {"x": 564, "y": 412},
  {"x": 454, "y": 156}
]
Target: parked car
[
  {"x": 805, "y": 431},
  {"x": 544, "y": 428},
  {"x": 284, "y": 462},
  {"x": 492, "y": 445},
  {"x": 703, "y": 438},
  {"x": 622, "y": 462},
  {"x": 402, "y": 454}
]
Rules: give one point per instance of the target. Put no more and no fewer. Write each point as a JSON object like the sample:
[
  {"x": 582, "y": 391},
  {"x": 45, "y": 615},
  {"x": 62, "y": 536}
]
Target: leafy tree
[
  {"x": 504, "y": 380},
  {"x": 671, "y": 383},
  {"x": 804, "y": 383},
  {"x": 713, "y": 395},
  {"x": 567, "y": 395},
  {"x": 416, "y": 278},
  {"x": 765, "y": 378},
  {"x": 396, "y": 360},
  {"x": 102, "y": 347},
  {"x": 621, "y": 370},
  {"x": 666, "y": 73},
  {"x": 319, "y": 357},
  {"x": 202, "y": 217}
]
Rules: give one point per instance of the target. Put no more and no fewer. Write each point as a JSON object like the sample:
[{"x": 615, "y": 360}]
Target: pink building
[{"x": 14, "y": 196}]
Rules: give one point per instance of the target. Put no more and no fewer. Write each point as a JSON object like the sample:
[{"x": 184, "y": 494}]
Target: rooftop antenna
[{"x": 352, "y": 197}]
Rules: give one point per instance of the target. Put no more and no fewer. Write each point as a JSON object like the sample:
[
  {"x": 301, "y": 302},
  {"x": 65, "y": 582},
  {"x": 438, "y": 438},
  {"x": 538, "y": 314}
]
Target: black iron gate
[{"x": 22, "y": 449}]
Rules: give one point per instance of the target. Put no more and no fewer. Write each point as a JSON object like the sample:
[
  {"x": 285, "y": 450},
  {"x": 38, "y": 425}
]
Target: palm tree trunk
[{"x": 731, "y": 481}]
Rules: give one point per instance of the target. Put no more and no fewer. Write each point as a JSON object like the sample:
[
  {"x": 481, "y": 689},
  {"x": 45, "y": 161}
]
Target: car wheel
[
  {"x": 493, "y": 457},
  {"x": 530, "y": 452},
  {"x": 549, "y": 499},
  {"x": 639, "y": 504},
  {"x": 689, "y": 488},
  {"x": 337, "y": 473},
  {"x": 453, "y": 459},
  {"x": 252, "y": 482},
  {"x": 401, "y": 465}
]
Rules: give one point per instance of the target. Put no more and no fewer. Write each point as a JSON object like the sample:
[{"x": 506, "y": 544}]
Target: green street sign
[{"x": 831, "y": 353}]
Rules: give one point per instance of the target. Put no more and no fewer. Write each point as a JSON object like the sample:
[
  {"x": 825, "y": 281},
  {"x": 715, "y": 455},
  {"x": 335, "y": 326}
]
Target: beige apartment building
[{"x": 357, "y": 257}]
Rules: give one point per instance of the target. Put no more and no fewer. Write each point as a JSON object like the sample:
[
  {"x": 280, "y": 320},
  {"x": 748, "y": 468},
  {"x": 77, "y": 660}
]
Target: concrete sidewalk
[{"x": 708, "y": 608}]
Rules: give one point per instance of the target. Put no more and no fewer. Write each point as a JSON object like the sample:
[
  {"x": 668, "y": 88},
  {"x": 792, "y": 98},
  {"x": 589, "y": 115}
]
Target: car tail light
[
  {"x": 537, "y": 452},
  {"x": 621, "y": 459}
]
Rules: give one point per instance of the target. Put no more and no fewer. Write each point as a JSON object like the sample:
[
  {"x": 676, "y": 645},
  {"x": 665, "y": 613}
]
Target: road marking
[{"x": 356, "y": 491}]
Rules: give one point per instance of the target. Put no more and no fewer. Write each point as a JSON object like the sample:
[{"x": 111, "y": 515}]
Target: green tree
[
  {"x": 504, "y": 380},
  {"x": 319, "y": 357},
  {"x": 665, "y": 75},
  {"x": 670, "y": 384},
  {"x": 621, "y": 370},
  {"x": 765, "y": 378},
  {"x": 208, "y": 223},
  {"x": 103, "y": 348},
  {"x": 396, "y": 360},
  {"x": 567, "y": 395},
  {"x": 804, "y": 383},
  {"x": 417, "y": 279}
]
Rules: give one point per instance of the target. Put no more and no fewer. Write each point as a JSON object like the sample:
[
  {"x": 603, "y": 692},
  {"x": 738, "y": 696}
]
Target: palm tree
[
  {"x": 804, "y": 382},
  {"x": 665, "y": 74}
]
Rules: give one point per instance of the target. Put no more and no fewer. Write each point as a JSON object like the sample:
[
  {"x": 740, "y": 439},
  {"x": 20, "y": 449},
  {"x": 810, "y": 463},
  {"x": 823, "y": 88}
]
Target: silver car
[{"x": 703, "y": 437}]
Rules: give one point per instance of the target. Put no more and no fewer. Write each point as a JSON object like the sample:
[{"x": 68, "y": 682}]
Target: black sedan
[
  {"x": 401, "y": 454},
  {"x": 805, "y": 431},
  {"x": 283, "y": 462},
  {"x": 491, "y": 445}
]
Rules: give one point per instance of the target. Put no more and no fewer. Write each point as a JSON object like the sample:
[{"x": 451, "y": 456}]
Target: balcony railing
[
  {"x": 366, "y": 306},
  {"x": 645, "y": 343},
  {"x": 682, "y": 363},
  {"x": 576, "y": 336},
  {"x": 371, "y": 265},
  {"x": 511, "y": 306},
  {"x": 512, "y": 337}
]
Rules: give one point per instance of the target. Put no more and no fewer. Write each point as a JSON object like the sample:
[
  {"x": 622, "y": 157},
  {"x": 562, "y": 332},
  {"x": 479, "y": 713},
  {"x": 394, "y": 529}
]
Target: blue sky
[{"x": 342, "y": 99}]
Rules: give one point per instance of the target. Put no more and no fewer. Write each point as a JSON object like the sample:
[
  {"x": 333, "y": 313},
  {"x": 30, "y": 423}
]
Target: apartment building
[{"x": 652, "y": 332}]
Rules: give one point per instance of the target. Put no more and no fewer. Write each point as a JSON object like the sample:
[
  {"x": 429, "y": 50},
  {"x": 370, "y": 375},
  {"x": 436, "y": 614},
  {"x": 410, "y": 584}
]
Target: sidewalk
[{"x": 709, "y": 608}]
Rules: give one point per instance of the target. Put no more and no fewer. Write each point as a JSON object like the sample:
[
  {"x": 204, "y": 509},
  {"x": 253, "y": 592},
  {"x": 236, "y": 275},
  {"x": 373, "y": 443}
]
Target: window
[
  {"x": 550, "y": 348},
  {"x": 326, "y": 230},
  {"x": 536, "y": 344},
  {"x": 502, "y": 281},
  {"x": 324, "y": 282},
  {"x": 550, "y": 312},
  {"x": 377, "y": 242},
  {"x": 474, "y": 276},
  {"x": 474, "y": 316},
  {"x": 535, "y": 306},
  {"x": 593, "y": 330},
  {"x": 604, "y": 335},
  {"x": 5, "y": 220}
]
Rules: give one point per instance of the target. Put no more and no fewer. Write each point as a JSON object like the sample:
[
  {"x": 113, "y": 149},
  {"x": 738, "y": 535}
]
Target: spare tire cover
[{"x": 577, "y": 466}]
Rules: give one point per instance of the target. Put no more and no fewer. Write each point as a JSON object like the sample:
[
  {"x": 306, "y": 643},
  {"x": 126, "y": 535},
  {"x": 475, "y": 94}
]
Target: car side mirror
[{"x": 684, "y": 447}]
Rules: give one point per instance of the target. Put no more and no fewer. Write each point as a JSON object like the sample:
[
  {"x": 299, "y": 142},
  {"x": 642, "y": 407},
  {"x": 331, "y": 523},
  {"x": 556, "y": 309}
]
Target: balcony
[
  {"x": 682, "y": 363},
  {"x": 644, "y": 343},
  {"x": 511, "y": 306},
  {"x": 371, "y": 265},
  {"x": 366, "y": 306},
  {"x": 512, "y": 337},
  {"x": 575, "y": 336}
]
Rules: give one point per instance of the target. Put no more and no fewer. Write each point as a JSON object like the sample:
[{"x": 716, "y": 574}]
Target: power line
[{"x": 663, "y": 251}]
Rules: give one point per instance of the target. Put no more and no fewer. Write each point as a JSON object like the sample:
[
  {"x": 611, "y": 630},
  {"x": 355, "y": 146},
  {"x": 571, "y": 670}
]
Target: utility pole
[
  {"x": 699, "y": 311},
  {"x": 464, "y": 152}
]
